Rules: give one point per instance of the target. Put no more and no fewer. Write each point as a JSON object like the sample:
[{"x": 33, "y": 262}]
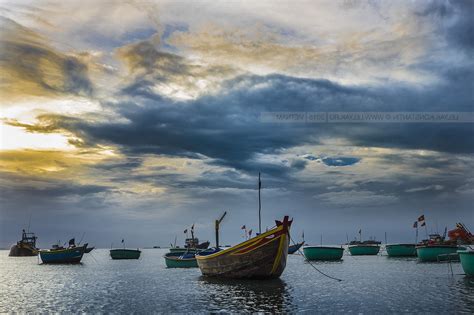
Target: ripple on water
[{"x": 371, "y": 284}]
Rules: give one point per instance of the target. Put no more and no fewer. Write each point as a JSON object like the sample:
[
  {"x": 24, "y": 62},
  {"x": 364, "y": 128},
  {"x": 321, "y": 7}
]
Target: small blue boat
[
  {"x": 294, "y": 248},
  {"x": 59, "y": 255}
]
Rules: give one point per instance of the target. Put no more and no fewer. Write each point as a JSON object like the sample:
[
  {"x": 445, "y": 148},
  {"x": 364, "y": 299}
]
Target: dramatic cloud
[
  {"x": 31, "y": 67},
  {"x": 149, "y": 115}
]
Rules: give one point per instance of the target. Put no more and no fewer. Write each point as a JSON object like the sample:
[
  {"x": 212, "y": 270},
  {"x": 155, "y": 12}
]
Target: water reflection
[{"x": 226, "y": 295}]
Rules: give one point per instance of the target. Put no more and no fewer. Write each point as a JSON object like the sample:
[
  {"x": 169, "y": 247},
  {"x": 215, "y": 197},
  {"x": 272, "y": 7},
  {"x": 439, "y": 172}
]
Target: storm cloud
[{"x": 157, "y": 117}]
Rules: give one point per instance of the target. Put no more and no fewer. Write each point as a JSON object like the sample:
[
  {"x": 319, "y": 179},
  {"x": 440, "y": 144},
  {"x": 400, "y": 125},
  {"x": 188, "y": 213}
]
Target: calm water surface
[{"x": 372, "y": 284}]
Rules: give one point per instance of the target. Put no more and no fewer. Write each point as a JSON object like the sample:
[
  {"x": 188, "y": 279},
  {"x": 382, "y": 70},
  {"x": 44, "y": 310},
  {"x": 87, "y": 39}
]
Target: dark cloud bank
[{"x": 224, "y": 129}]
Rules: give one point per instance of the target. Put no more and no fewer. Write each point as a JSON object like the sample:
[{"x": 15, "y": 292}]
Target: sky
[{"x": 136, "y": 119}]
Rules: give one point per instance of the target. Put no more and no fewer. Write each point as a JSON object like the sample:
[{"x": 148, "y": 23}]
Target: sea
[{"x": 370, "y": 284}]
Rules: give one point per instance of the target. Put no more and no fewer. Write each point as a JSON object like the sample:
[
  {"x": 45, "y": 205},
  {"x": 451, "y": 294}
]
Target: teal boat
[
  {"x": 60, "y": 255},
  {"x": 323, "y": 253},
  {"x": 180, "y": 260},
  {"x": 123, "y": 253},
  {"x": 364, "y": 249},
  {"x": 436, "y": 252},
  {"x": 359, "y": 248},
  {"x": 401, "y": 250},
  {"x": 467, "y": 261}
]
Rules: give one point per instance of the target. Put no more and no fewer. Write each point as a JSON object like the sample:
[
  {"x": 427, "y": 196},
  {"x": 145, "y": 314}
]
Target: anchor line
[
  {"x": 93, "y": 257},
  {"x": 309, "y": 262}
]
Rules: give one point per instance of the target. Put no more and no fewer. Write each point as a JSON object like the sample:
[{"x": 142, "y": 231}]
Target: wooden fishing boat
[
  {"x": 25, "y": 247},
  {"x": 467, "y": 261},
  {"x": 401, "y": 250},
  {"x": 180, "y": 260},
  {"x": 294, "y": 248},
  {"x": 123, "y": 253},
  {"x": 324, "y": 253},
  {"x": 60, "y": 255},
  {"x": 260, "y": 257}
]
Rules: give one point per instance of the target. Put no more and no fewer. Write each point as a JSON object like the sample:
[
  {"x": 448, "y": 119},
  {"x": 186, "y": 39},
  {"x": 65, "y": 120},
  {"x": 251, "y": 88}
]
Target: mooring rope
[{"x": 309, "y": 262}]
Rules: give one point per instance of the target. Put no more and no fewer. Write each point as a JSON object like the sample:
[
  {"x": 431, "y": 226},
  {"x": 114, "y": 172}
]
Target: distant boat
[
  {"x": 401, "y": 250},
  {"x": 294, "y": 248},
  {"x": 89, "y": 249},
  {"x": 194, "y": 243},
  {"x": 436, "y": 248},
  {"x": 437, "y": 252},
  {"x": 25, "y": 247},
  {"x": 260, "y": 257},
  {"x": 323, "y": 253},
  {"x": 190, "y": 244},
  {"x": 123, "y": 253},
  {"x": 180, "y": 260},
  {"x": 467, "y": 261},
  {"x": 358, "y": 248},
  {"x": 61, "y": 255}
]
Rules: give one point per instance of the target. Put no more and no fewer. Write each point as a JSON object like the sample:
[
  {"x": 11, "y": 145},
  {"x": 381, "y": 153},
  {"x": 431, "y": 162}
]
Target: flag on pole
[
  {"x": 421, "y": 218},
  {"x": 250, "y": 232},
  {"x": 415, "y": 225},
  {"x": 243, "y": 227},
  {"x": 360, "y": 231},
  {"x": 192, "y": 228},
  {"x": 302, "y": 235},
  {"x": 423, "y": 223},
  {"x": 186, "y": 231},
  {"x": 123, "y": 240}
]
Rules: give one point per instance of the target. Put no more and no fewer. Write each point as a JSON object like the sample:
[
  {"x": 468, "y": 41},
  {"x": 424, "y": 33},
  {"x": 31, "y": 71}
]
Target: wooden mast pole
[
  {"x": 217, "y": 225},
  {"x": 259, "y": 206}
]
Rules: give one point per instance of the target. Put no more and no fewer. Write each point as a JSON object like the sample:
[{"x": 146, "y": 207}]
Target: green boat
[
  {"x": 323, "y": 253},
  {"x": 467, "y": 261},
  {"x": 180, "y": 260},
  {"x": 364, "y": 249},
  {"x": 125, "y": 253},
  {"x": 401, "y": 250},
  {"x": 436, "y": 252}
]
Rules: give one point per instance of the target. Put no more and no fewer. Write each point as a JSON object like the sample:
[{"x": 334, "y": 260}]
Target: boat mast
[
  {"x": 259, "y": 206},
  {"x": 218, "y": 222},
  {"x": 192, "y": 236}
]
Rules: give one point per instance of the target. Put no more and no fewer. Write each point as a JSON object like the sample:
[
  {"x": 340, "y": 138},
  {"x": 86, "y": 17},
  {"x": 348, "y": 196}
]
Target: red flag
[
  {"x": 421, "y": 218},
  {"x": 243, "y": 227},
  {"x": 415, "y": 225},
  {"x": 423, "y": 223}
]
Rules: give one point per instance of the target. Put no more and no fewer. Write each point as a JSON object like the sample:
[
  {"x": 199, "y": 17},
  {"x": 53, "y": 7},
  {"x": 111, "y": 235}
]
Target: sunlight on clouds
[
  {"x": 13, "y": 138},
  {"x": 28, "y": 110}
]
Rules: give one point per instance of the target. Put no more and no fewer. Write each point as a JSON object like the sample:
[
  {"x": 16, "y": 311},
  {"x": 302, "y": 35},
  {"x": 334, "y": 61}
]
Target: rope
[
  {"x": 309, "y": 262},
  {"x": 93, "y": 257}
]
